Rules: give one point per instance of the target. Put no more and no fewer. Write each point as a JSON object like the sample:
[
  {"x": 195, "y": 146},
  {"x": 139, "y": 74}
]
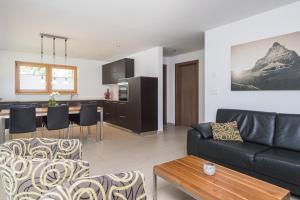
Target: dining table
[{"x": 40, "y": 112}]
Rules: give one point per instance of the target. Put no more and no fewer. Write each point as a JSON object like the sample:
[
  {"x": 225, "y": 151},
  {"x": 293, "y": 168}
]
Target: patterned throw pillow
[{"x": 226, "y": 131}]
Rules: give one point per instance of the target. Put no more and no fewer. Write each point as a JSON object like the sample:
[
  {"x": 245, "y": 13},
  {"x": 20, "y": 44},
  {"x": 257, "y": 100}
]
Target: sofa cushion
[
  {"x": 280, "y": 164},
  {"x": 231, "y": 152},
  {"x": 258, "y": 127},
  {"x": 287, "y": 132}
]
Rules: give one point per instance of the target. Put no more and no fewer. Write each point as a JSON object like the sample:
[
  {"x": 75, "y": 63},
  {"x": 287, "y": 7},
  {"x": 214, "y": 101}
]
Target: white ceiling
[{"x": 101, "y": 29}]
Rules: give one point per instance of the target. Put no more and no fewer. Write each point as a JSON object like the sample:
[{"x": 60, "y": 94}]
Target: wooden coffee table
[{"x": 187, "y": 174}]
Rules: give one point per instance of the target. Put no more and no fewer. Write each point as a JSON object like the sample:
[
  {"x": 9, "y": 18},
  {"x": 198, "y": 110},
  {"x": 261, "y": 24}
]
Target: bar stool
[
  {"x": 57, "y": 119},
  {"x": 22, "y": 119},
  {"x": 87, "y": 117}
]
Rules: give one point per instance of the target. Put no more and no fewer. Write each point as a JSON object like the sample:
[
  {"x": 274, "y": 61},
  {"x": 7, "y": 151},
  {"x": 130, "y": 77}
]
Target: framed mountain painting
[{"x": 269, "y": 64}]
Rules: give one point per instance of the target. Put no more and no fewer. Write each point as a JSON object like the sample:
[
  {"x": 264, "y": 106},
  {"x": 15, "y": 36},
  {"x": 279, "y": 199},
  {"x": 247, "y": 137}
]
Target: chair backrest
[
  {"x": 22, "y": 119},
  {"x": 88, "y": 115},
  {"x": 58, "y": 117}
]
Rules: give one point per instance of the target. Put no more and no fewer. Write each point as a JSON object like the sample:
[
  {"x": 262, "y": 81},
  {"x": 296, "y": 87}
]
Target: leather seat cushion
[
  {"x": 280, "y": 164},
  {"x": 231, "y": 152},
  {"x": 287, "y": 134},
  {"x": 254, "y": 126}
]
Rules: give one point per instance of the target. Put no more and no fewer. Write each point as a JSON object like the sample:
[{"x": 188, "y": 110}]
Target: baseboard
[{"x": 171, "y": 124}]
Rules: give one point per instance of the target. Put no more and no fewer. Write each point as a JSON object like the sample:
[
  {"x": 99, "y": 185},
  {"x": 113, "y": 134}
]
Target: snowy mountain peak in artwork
[{"x": 277, "y": 56}]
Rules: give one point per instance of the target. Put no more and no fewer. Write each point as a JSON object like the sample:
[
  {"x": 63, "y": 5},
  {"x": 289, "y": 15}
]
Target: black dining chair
[
  {"x": 57, "y": 119},
  {"x": 87, "y": 117},
  {"x": 22, "y": 119}
]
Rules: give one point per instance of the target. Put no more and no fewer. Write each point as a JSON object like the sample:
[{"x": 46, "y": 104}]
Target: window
[{"x": 40, "y": 78}]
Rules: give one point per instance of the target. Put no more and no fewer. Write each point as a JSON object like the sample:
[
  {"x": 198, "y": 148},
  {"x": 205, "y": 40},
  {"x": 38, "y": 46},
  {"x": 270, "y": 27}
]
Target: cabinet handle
[
  {"x": 122, "y": 116},
  {"x": 107, "y": 113}
]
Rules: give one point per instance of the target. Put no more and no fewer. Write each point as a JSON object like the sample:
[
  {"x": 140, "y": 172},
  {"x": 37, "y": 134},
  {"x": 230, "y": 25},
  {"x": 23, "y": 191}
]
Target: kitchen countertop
[{"x": 58, "y": 100}]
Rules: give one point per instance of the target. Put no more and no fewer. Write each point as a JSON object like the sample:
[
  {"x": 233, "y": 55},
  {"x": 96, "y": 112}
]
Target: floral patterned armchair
[
  {"x": 122, "y": 186},
  {"x": 40, "y": 168},
  {"x": 30, "y": 168}
]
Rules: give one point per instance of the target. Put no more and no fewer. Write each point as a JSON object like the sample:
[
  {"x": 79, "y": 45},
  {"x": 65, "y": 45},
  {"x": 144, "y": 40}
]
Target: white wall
[
  {"x": 89, "y": 76},
  {"x": 218, "y": 42},
  {"x": 170, "y": 62},
  {"x": 150, "y": 63}
]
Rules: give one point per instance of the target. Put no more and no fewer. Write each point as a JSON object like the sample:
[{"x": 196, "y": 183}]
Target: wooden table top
[
  {"x": 187, "y": 173},
  {"x": 72, "y": 109}
]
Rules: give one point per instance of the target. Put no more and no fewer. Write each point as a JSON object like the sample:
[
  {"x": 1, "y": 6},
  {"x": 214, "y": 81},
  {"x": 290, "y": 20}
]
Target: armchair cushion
[{"x": 129, "y": 186}]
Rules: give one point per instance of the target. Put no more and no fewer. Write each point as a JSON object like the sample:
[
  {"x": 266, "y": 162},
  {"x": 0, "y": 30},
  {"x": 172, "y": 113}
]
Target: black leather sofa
[{"x": 270, "y": 151}]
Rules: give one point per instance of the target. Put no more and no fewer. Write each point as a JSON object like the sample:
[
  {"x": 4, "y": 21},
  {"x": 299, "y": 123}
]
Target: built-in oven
[{"x": 123, "y": 89}]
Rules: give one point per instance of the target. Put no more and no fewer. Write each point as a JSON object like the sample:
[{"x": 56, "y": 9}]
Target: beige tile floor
[{"x": 122, "y": 151}]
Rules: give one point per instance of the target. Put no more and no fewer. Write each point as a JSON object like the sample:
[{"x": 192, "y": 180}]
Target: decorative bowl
[{"x": 209, "y": 169}]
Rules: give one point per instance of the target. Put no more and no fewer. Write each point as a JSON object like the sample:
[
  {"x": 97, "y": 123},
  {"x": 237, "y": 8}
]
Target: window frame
[{"x": 48, "y": 78}]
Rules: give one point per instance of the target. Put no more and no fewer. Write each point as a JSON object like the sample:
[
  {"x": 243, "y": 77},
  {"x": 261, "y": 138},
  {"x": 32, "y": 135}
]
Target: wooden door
[
  {"x": 165, "y": 94},
  {"x": 186, "y": 93}
]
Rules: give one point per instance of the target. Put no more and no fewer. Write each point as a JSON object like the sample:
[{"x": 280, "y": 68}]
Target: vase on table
[{"x": 52, "y": 102}]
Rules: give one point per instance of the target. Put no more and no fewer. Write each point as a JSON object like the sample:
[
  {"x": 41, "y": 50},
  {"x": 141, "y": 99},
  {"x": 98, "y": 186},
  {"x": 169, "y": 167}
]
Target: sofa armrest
[
  {"x": 31, "y": 178},
  {"x": 129, "y": 186},
  {"x": 47, "y": 148},
  {"x": 193, "y": 137},
  {"x": 204, "y": 129}
]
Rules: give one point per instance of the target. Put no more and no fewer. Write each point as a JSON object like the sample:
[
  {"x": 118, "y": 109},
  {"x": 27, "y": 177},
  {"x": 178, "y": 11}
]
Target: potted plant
[{"x": 52, "y": 101}]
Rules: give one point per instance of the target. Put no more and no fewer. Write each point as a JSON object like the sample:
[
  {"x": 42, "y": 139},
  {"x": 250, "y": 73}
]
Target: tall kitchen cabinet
[{"x": 143, "y": 104}]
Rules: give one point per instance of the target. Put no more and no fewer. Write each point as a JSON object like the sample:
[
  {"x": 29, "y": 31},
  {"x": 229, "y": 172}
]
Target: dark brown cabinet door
[
  {"x": 123, "y": 114},
  {"x": 135, "y": 104},
  {"x": 106, "y": 74},
  {"x": 109, "y": 111},
  {"x": 114, "y": 71}
]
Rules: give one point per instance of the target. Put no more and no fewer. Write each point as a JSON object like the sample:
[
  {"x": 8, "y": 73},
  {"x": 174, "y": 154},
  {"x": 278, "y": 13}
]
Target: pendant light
[
  {"x": 42, "y": 57},
  {"x": 66, "y": 81},
  {"x": 53, "y": 37},
  {"x": 54, "y": 78}
]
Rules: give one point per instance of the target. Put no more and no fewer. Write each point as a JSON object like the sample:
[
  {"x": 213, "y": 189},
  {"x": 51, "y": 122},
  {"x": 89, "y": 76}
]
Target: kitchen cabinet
[
  {"x": 117, "y": 113},
  {"x": 139, "y": 114},
  {"x": 143, "y": 104},
  {"x": 123, "y": 115},
  {"x": 109, "y": 111},
  {"x": 114, "y": 71}
]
